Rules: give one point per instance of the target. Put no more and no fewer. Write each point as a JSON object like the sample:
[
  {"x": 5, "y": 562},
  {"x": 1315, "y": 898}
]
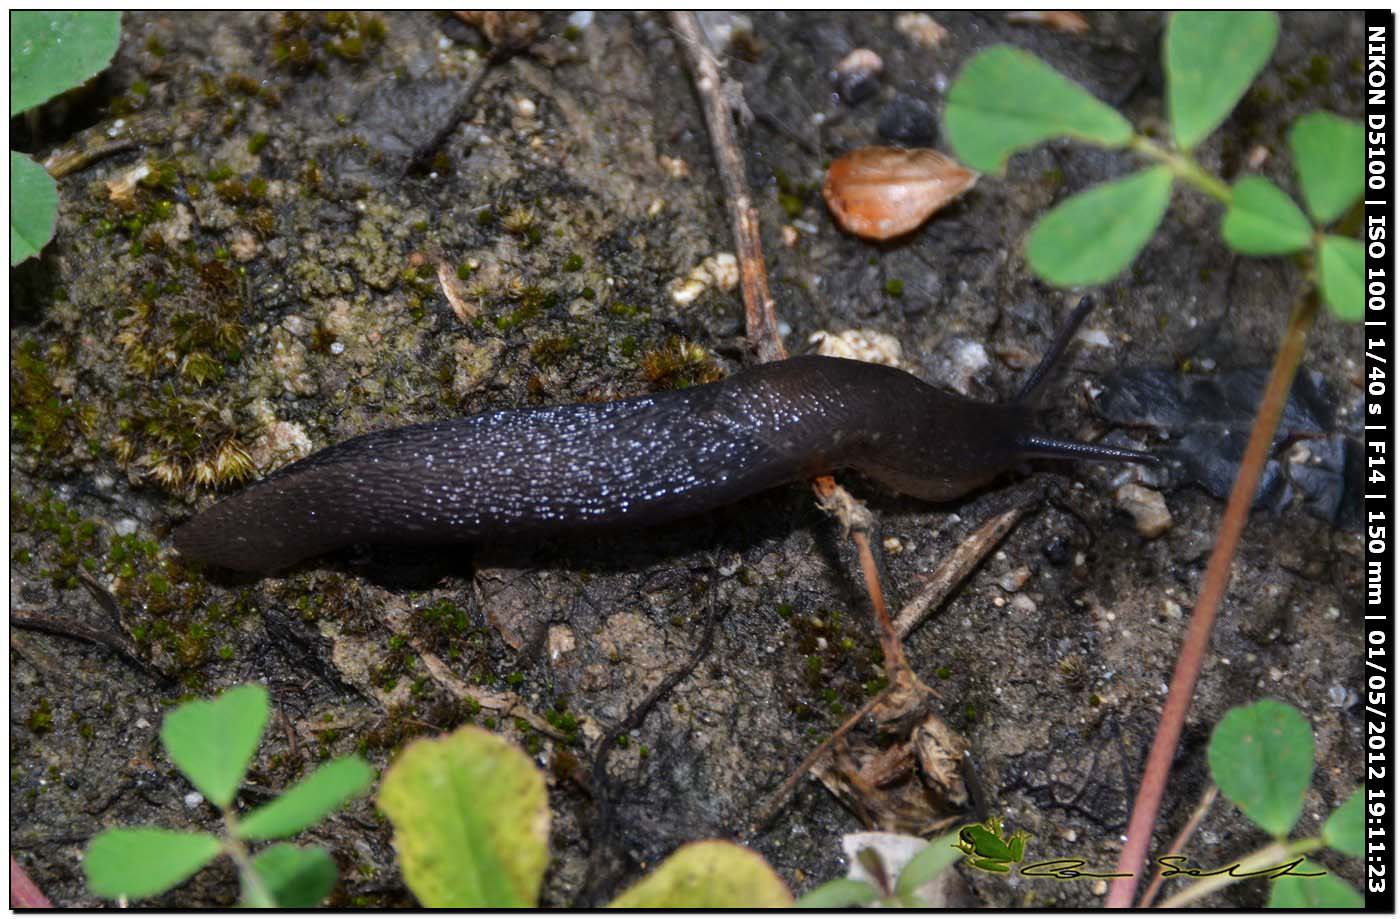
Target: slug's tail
[
  {"x": 1035, "y": 385},
  {"x": 1043, "y": 446}
]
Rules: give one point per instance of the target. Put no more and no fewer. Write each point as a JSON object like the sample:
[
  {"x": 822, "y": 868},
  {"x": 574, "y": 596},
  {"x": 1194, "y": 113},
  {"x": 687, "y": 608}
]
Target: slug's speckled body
[{"x": 634, "y": 462}]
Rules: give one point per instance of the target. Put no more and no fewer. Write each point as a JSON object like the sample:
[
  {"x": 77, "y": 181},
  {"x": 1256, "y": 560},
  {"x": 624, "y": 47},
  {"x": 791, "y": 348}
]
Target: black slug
[{"x": 634, "y": 462}]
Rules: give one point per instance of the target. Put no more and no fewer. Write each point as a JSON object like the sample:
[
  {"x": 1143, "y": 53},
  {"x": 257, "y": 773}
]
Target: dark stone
[{"x": 908, "y": 121}]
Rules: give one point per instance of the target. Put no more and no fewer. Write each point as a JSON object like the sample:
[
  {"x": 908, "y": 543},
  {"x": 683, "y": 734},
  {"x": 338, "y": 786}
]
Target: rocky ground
[{"x": 280, "y": 231}]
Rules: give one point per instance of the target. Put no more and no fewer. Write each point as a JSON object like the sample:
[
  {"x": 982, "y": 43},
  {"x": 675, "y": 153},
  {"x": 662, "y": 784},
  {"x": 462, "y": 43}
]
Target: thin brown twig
[
  {"x": 785, "y": 791},
  {"x": 761, "y": 324},
  {"x": 52, "y": 625},
  {"x": 759, "y": 313},
  {"x": 1217, "y": 578},
  {"x": 955, "y": 568},
  {"x": 889, "y": 638},
  {"x": 1179, "y": 842}
]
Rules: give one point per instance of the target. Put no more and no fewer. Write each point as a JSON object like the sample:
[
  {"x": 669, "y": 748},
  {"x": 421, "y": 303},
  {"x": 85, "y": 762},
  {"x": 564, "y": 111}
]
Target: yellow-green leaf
[
  {"x": 1262, "y": 220},
  {"x": 709, "y": 875},
  {"x": 471, "y": 821},
  {"x": 1093, "y": 236},
  {"x": 1007, "y": 100}
]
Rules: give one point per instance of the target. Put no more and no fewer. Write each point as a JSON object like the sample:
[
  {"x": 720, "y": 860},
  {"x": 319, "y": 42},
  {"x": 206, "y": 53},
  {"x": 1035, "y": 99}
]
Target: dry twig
[
  {"x": 759, "y": 316},
  {"x": 1179, "y": 843},
  {"x": 780, "y": 797},
  {"x": 955, "y": 568},
  {"x": 38, "y": 622}
]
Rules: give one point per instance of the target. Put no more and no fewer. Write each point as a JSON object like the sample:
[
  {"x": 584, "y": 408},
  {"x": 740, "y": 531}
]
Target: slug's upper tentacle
[{"x": 632, "y": 462}]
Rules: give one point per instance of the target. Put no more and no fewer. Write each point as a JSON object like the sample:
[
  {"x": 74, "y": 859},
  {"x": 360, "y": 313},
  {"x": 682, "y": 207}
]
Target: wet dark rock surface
[{"x": 281, "y": 282}]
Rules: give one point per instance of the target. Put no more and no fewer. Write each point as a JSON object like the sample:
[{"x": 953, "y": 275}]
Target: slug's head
[{"x": 1031, "y": 444}]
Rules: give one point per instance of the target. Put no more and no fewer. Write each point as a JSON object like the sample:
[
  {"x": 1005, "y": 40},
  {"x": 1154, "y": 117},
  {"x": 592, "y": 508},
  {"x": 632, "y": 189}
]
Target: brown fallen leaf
[
  {"x": 1058, "y": 20},
  {"x": 455, "y": 292},
  {"x": 883, "y": 192}
]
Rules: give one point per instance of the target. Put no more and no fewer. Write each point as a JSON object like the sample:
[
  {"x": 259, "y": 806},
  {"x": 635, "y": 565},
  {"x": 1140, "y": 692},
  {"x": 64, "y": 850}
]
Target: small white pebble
[
  {"x": 125, "y": 526},
  {"x": 1015, "y": 579},
  {"x": 193, "y": 800},
  {"x": 337, "y": 347},
  {"x": 1148, "y": 509}
]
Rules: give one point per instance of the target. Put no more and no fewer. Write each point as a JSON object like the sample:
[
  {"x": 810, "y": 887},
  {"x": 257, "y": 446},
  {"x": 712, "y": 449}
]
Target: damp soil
[{"x": 281, "y": 231}]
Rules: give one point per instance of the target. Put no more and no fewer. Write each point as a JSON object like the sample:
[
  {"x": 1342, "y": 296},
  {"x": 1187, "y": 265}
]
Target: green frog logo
[{"x": 988, "y": 849}]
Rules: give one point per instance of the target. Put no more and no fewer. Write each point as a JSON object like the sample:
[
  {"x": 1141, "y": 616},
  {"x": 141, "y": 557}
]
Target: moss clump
[
  {"x": 40, "y": 718},
  {"x": 68, "y": 540},
  {"x": 533, "y": 300},
  {"x": 43, "y": 416},
  {"x": 894, "y": 287},
  {"x": 792, "y": 196},
  {"x": 678, "y": 364},
  {"x": 549, "y": 351},
  {"x": 562, "y": 720},
  {"x": 304, "y": 42}
]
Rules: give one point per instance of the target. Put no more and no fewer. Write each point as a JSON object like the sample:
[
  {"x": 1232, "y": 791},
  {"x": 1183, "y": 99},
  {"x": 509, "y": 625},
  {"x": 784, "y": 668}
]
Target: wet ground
[{"x": 289, "y": 230}]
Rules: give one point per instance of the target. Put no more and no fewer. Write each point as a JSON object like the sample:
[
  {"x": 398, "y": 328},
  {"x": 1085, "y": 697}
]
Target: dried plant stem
[
  {"x": 1275, "y": 853},
  {"x": 955, "y": 568},
  {"x": 1217, "y": 578},
  {"x": 759, "y": 317},
  {"x": 780, "y": 797},
  {"x": 889, "y": 638},
  {"x": 761, "y": 324},
  {"x": 1179, "y": 843}
]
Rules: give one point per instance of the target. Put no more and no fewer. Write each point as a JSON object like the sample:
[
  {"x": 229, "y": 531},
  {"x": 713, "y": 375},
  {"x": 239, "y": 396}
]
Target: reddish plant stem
[
  {"x": 1217, "y": 578},
  {"x": 889, "y": 639},
  {"x": 24, "y": 893}
]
